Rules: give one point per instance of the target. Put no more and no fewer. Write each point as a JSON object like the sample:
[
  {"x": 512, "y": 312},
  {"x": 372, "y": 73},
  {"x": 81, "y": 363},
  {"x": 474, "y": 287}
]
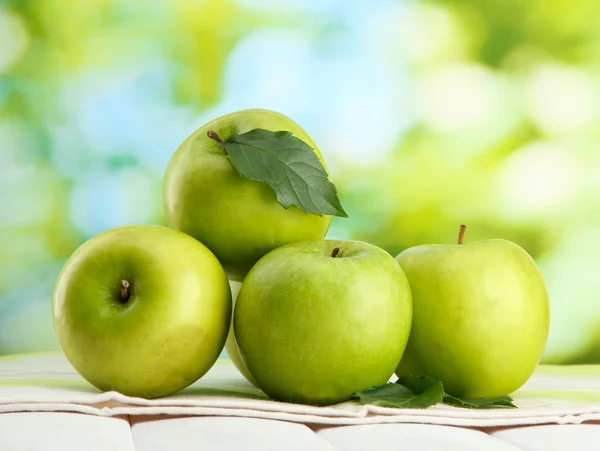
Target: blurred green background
[{"x": 429, "y": 113}]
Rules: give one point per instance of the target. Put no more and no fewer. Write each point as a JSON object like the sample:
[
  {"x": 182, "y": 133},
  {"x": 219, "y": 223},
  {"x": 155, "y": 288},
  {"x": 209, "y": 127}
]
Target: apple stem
[
  {"x": 461, "y": 233},
  {"x": 213, "y": 135},
  {"x": 124, "y": 290},
  {"x": 335, "y": 251}
]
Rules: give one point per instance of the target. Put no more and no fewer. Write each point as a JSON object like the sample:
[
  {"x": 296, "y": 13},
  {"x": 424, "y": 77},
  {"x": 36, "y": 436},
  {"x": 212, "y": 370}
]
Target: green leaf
[
  {"x": 289, "y": 166},
  {"x": 480, "y": 403},
  {"x": 399, "y": 396},
  {"x": 418, "y": 384},
  {"x": 419, "y": 392}
]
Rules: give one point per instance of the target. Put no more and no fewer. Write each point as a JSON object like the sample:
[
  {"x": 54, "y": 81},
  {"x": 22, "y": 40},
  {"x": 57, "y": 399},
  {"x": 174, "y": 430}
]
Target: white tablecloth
[{"x": 47, "y": 406}]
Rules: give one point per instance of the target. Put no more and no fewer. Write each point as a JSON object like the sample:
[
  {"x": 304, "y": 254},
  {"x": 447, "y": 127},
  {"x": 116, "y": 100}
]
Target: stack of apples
[{"x": 147, "y": 310}]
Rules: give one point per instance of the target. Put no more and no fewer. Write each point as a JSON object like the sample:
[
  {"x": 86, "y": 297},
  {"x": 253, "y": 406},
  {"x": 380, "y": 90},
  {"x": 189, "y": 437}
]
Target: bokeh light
[
  {"x": 14, "y": 38},
  {"x": 430, "y": 114}
]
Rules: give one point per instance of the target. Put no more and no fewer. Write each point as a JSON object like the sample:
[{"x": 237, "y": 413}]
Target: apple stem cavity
[
  {"x": 213, "y": 135},
  {"x": 335, "y": 252},
  {"x": 124, "y": 290},
  {"x": 461, "y": 233}
]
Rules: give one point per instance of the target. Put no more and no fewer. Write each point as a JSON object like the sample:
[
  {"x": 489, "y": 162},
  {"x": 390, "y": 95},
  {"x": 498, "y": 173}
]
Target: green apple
[
  {"x": 239, "y": 219},
  {"x": 316, "y": 321},
  {"x": 142, "y": 310},
  {"x": 481, "y": 316},
  {"x": 231, "y": 345}
]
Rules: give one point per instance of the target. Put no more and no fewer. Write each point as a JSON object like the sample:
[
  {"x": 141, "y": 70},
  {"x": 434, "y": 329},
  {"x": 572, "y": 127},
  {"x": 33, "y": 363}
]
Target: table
[{"x": 40, "y": 379}]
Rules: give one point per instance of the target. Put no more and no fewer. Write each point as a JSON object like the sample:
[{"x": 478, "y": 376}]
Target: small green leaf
[
  {"x": 399, "y": 396},
  {"x": 480, "y": 403},
  {"x": 419, "y": 392},
  {"x": 289, "y": 166},
  {"x": 418, "y": 384}
]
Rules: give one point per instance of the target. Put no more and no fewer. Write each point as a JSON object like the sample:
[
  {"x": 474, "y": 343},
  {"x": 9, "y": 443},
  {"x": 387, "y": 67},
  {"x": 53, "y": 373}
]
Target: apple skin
[
  {"x": 238, "y": 219},
  {"x": 231, "y": 345},
  {"x": 481, "y": 316},
  {"x": 313, "y": 329},
  {"x": 171, "y": 330}
]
